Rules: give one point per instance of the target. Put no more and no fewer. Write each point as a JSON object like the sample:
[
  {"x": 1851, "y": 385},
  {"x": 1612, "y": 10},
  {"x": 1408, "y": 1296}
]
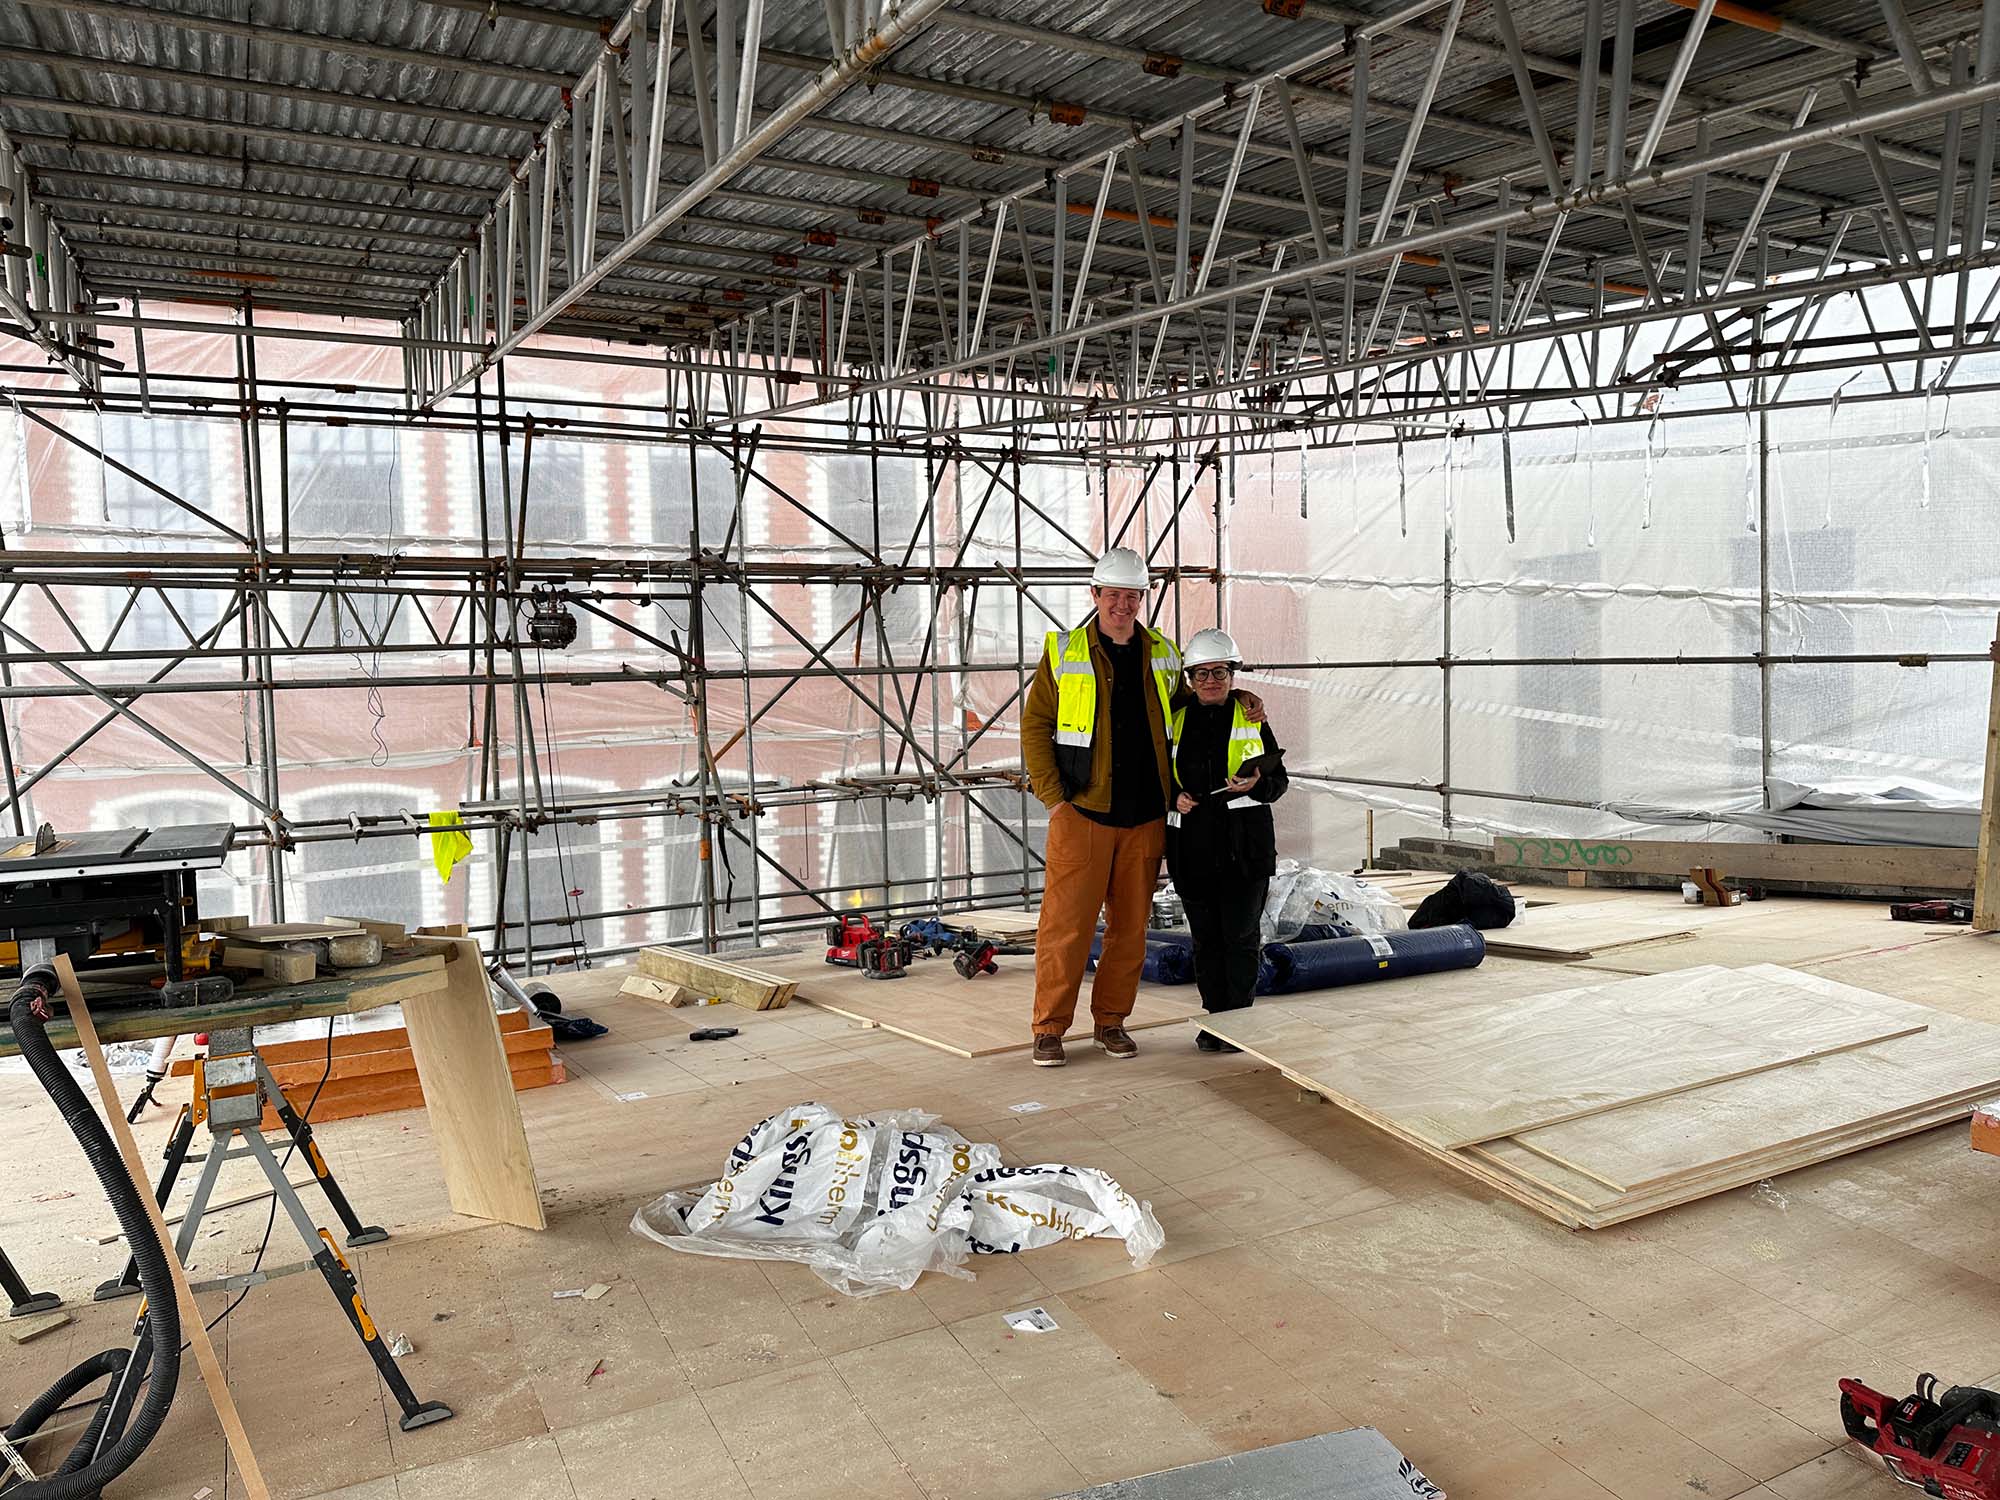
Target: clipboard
[{"x": 1263, "y": 764}]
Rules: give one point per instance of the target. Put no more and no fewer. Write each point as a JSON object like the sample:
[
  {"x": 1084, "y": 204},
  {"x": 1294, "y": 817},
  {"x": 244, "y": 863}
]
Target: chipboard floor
[{"x": 1318, "y": 1276}]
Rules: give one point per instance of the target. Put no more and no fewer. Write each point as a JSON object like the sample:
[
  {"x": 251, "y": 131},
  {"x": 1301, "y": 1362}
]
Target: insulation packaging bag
[
  {"x": 1303, "y": 897},
  {"x": 872, "y": 1203}
]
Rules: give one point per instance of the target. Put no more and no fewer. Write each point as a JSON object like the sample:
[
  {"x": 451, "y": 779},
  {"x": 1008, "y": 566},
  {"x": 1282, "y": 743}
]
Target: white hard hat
[
  {"x": 1121, "y": 568},
  {"x": 1210, "y": 647}
]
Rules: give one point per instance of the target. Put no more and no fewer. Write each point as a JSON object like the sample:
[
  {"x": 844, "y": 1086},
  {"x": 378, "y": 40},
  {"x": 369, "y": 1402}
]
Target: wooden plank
[
  {"x": 1570, "y": 933},
  {"x": 469, "y": 1095},
  {"x": 1650, "y": 1144},
  {"x": 293, "y": 932},
  {"x": 1986, "y": 873},
  {"x": 658, "y": 991},
  {"x": 1902, "y": 866},
  {"x": 306, "y": 1072},
  {"x": 279, "y": 965},
  {"x": 708, "y": 974},
  {"x": 1503, "y": 1161},
  {"x": 983, "y": 1017},
  {"x": 349, "y": 1043},
  {"x": 392, "y": 934},
  {"x": 34, "y": 1325},
  {"x": 389, "y": 1092},
  {"x": 192, "y": 1328},
  {"x": 260, "y": 1004},
  {"x": 1470, "y": 1074}
]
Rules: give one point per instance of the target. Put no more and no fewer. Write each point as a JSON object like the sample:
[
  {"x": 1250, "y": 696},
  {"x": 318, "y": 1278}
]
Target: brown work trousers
[{"x": 1092, "y": 868}]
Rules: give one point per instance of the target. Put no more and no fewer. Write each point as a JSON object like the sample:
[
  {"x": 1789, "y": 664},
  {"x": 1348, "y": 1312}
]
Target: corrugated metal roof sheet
[{"x": 323, "y": 159}]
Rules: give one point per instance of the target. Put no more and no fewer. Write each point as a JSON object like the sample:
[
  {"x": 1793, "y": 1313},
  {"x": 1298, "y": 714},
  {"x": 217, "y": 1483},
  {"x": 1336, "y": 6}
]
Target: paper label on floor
[{"x": 1030, "y": 1320}]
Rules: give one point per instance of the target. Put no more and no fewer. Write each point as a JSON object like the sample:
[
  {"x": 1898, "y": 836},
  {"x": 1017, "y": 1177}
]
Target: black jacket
[{"x": 1215, "y": 842}]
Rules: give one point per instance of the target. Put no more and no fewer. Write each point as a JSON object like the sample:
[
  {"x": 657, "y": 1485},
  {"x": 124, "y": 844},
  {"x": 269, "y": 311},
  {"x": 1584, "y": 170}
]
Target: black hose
[
  {"x": 28, "y": 1013},
  {"x": 46, "y": 1405}
]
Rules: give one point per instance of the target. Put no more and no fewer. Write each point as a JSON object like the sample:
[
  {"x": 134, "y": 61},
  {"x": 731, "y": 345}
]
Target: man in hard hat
[
  {"x": 1222, "y": 844},
  {"x": 1094, "y": 736}
]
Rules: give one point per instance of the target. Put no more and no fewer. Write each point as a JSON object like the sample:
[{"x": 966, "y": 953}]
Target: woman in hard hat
[{"x": 1222, "y": 844}]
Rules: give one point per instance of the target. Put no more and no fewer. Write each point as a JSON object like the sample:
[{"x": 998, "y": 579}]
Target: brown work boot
[
  {"x": 1116, "y": 1041},
  {"x": 1049, "y": 1052}
]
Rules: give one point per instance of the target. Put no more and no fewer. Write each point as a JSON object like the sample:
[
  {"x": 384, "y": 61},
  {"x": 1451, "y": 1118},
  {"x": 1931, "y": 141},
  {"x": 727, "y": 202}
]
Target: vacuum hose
[{"x": 80, "y": 1477}]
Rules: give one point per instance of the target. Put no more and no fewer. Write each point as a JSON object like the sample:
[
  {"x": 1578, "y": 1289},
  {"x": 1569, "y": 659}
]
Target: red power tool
[
  {"x": 854, "y": 942},
  {"x": 1946, "y": 1445},
  {"x": 1954, "y": 912}
]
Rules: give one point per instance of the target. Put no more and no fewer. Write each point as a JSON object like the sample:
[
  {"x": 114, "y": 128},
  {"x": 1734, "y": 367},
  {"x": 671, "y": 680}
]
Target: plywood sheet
[
  {"x": 1663, "y": 1140},
  {"x": 469, "y": 1094},
  {"x": 1465, "y": 1074},
  {"x": 1590, "y": 931},
  {"x": 1009, "y": 922},
  {"x": 1561, "y": 1193},
  {"x": 967, "y": 1017},
  {"x": 1358, "y": 1464},
  {"x": 293, "y": 932}
]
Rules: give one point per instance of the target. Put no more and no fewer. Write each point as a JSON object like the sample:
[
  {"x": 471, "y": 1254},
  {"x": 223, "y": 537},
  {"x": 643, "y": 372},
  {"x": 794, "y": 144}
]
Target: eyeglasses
[{"x": 1210, "y": 674}]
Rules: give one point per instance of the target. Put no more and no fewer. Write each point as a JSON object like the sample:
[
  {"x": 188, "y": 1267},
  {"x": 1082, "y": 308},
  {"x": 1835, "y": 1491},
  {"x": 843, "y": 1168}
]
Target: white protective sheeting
[{"x": 874, "y": 1202}]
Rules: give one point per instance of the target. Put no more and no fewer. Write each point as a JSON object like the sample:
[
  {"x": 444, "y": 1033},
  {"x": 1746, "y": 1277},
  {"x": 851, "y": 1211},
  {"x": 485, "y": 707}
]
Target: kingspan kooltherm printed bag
[{"x": 874, "y": 1202}]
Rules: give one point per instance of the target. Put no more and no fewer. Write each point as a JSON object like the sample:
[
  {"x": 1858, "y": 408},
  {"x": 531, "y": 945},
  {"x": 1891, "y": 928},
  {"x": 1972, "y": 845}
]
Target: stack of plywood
[
  {"x": 374, "y": 1072},
  {"x": 1603, "y": 1103},
  {"x": 709, "y": 974}
]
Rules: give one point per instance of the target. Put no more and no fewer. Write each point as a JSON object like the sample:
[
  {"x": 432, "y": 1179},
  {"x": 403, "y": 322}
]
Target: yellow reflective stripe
[
  {"x": 1242, "y": 736},
  {"x": 1076, "y": 687}
]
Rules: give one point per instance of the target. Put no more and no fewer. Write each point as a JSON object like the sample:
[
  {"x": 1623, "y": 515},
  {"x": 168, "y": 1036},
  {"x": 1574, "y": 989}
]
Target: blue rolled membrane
[{"x": 1289, "y": 968}]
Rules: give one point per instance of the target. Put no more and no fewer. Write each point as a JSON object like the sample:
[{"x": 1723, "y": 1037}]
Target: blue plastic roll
[
  {"x": 1169, "y": 957},
  {"x": 1168, "y": 963},
  {"x": 1292, "y": 967}
]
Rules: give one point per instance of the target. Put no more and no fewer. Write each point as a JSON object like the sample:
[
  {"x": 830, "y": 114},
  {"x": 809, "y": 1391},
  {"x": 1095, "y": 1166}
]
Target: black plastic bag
[{"x": 1469, "y": 897}]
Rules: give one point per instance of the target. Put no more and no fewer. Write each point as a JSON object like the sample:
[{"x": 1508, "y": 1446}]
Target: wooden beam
[
  {"x": 1900, "y": 866},
  {"x": 191, "y": 1321},
  {"x": 706, "y": 974},
  {"x": 258, "y": 1004},
  {"x": 1986, "y": 879}
]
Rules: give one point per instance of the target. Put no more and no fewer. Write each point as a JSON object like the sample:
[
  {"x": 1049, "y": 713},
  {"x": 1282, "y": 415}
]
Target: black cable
[{"x": 579, "y": 949}]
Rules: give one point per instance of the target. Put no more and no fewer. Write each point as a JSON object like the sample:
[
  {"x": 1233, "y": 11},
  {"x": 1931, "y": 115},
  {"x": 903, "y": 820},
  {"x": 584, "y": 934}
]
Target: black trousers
[{"x": 1224, "y": 919}]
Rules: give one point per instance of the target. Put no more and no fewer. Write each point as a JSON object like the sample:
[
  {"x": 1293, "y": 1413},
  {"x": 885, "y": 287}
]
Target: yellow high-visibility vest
[
  {"x": 1245, "y": 741},
  {"x": 1076, "y": 695}
]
